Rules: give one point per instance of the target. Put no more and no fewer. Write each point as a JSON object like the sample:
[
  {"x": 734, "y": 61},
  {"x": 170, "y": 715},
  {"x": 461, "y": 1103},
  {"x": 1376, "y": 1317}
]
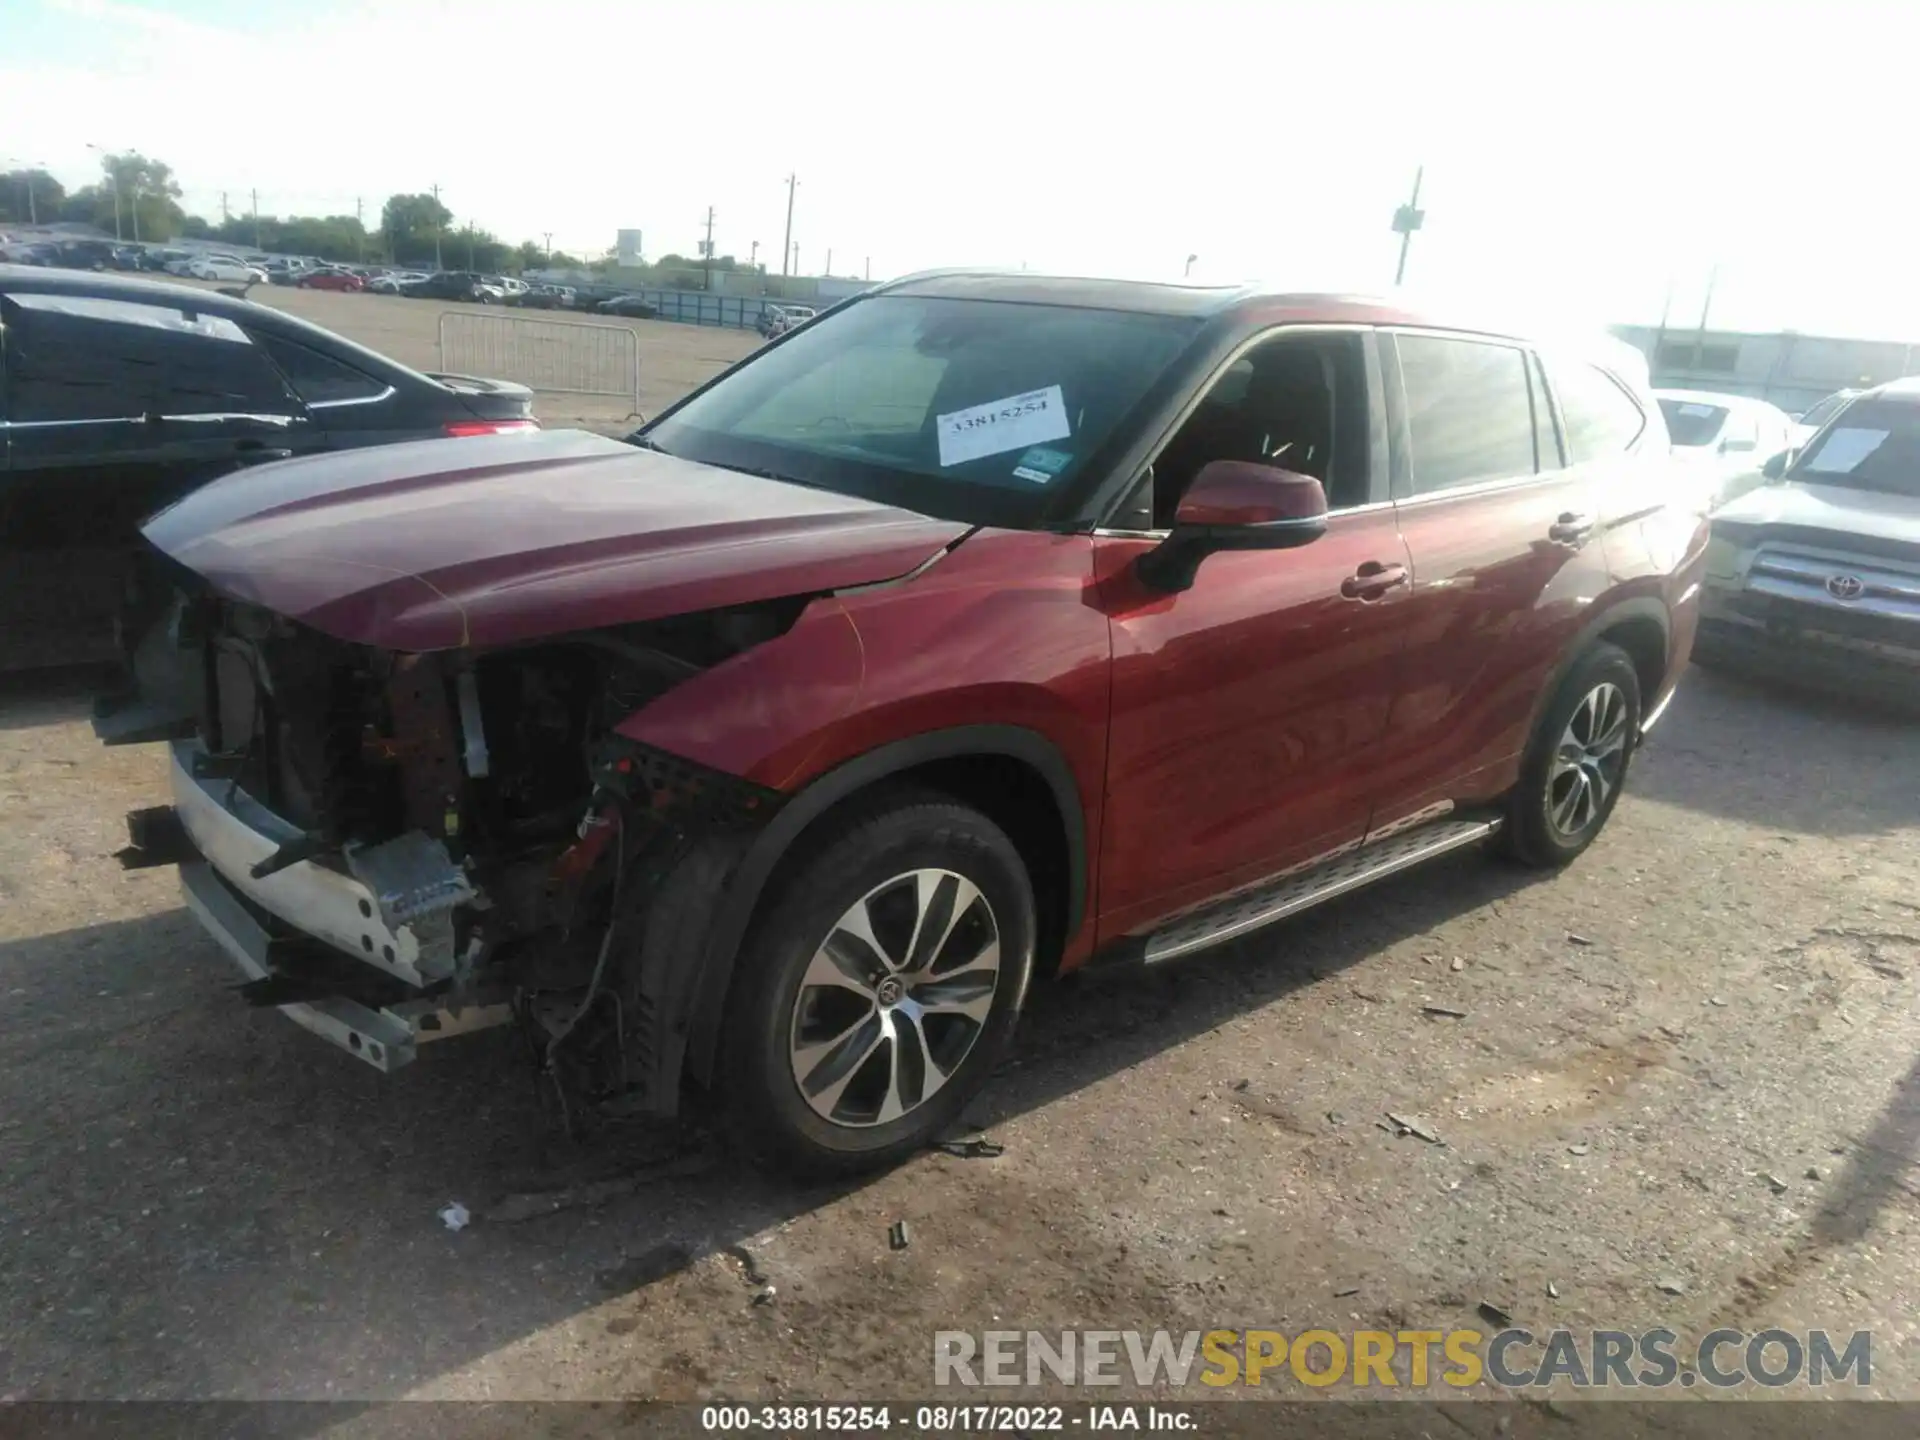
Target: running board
[{"x": 1278, "y": 899}]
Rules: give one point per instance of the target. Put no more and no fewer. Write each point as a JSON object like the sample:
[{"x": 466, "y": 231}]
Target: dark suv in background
[{"x": 122, "y": 395}]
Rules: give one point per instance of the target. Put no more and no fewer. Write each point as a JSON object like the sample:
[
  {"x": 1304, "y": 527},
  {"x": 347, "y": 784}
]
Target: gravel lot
[{"x": 1689, "y": 1062}]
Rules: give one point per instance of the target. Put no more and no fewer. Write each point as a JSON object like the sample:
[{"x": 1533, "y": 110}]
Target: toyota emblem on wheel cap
[{"x": 1846, "y": 587}]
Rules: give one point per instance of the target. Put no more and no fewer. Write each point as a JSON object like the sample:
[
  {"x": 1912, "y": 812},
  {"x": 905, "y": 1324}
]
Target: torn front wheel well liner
[{"x": 746, "y": 884}]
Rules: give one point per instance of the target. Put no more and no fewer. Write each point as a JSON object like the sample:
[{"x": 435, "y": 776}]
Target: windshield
[
  {"x": 1690, "y": 422},
  {"x": 974, "y": 410},
  {"x": 1877, "y": 448}
]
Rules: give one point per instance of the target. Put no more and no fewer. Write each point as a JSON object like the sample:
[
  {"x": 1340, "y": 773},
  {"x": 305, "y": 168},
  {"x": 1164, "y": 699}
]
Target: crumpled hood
[
  {"x": 503, "y": 538},
  {"x": 1827, "y": 507}
]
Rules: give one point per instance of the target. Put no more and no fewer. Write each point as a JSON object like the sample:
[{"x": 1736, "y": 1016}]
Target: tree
[
  {"x": 412, "y": 224},
  {"x": 147, "y": 195},
  {"x": 31, "y": 196}
]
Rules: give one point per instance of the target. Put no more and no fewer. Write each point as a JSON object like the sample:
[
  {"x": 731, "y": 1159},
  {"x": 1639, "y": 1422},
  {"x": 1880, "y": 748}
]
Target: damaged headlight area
[{"x": 394, "y": 848}]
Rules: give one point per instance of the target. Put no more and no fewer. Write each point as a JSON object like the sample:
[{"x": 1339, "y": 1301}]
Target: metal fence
[
  {"x": 698, "y": 307},
  {"x": 569, "y": 356}
]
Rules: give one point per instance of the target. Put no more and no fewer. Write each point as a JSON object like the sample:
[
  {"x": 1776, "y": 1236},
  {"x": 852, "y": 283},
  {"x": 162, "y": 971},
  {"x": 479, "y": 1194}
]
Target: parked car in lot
[
  {"x": 122, "y": 395},
  {"x": 331, "y": 280},
  {"x": 1815, "y": 577},
  {"x": 222, "y": 267},
  {"x": 991, "y": 626},
  {"x": 1724, "y": 439},
  {"x": 549, "y": 297},
  {"x": 634, "y": 307},
  {"x": 395, "y": 282},
  {"x": 456, "y": 285},
  {"x": 785, "y": 318}
]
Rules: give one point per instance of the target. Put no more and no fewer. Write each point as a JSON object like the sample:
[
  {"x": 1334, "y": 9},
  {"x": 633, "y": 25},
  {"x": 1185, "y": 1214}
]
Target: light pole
[
  {"x": 1189, "y": 270},
  {"x": 114, "y": 176}
]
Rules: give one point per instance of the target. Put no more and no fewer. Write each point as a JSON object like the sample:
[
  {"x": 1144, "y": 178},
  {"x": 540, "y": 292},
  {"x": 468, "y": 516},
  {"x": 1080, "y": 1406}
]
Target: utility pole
[
  {"x": 1660, "y": 334},
  {"x": 1189, "y": 270},
  {"x": 1700, "y": 335},
  {"x": 33, "y": 211},
  {"x": 706, "y": 251},
  {"x": 1407, "y": 219},
  {"x": 547, "y": 235},
  {"x": 438, "y": 263},
  {"x": 225, "y": 215},
  {"x": 469, "y": 245},
  {"x": 135, "y": 208},
  {"x": 787, "y": 250},
  {"x": 828, "y": 270},
  {"x": 256, "y": 219},
  {"x": 753, "y": 256},
  {"x": 869, "y": 267},
  {"x": 360, "y": 222},
  {"x": 796, "y": 258}
]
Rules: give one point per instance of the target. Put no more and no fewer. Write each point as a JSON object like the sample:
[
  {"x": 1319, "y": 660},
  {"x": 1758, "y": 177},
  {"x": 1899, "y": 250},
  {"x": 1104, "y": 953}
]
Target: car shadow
[
  {"x": 199, "y": 1200},
  {"x": 1781, "y": 759}
]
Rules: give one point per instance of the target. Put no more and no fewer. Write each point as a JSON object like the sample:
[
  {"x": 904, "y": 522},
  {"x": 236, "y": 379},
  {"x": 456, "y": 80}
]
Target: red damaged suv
[{"x": 986, "y": 625}]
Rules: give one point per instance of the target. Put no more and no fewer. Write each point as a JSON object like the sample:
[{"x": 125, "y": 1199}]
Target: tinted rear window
[{"x": 1469, "y": 411}]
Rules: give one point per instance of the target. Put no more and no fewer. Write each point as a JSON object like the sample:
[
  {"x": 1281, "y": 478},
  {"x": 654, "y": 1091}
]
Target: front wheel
[
  {"x": 1576, "y": 762},
  {"x": 879, "y": 989}
]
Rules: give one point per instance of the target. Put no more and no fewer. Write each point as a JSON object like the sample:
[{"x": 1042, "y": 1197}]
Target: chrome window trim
[
  {"x": 386, "y": 394},
  {"x": 1108, "y": 532}
]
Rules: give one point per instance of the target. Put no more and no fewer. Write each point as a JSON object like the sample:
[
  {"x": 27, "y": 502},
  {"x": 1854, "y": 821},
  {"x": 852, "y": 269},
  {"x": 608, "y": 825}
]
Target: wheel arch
[
  {"x": 1640, "y": 625},
  {"x": 1035, "y": 789}
]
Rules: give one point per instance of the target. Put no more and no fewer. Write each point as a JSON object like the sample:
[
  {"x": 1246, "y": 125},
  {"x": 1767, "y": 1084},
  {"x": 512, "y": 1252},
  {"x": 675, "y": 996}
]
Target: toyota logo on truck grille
[{"x": 1846, "y": 587}]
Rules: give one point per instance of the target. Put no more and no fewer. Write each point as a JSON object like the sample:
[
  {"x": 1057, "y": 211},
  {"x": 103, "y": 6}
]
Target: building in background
[
  {"x": 1789, "y": 370},
  {"x": 626, "y": 247}
]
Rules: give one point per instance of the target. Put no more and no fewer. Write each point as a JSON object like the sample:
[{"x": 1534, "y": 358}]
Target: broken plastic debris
[
  {"x": 1446, "y": 1010},
  {"x": 1671, "y": 1286},
  {"x": 1573, "y": 939},
  {"x": 1578, "y": 1149},
  {"x": 899, "y": 1236},
  {"x": 1553, "y": 1291},
  {"x": 1414, "y": 1125},
  {"x": 977, "y": 1147},
  {"x": 455, "y": 1216},
  {"x": 1493, "y": 1314}
]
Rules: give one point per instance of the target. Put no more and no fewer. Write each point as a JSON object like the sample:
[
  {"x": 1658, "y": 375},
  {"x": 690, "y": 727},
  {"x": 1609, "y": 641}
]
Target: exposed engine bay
[{"x": 424, "y": 842}]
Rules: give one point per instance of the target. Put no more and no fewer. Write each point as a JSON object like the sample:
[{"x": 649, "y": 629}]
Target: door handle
[
  {"x": 1570, "y": 529},
  {"x": 255, "y": 450},
  {"x": 1372, "y": 580}
]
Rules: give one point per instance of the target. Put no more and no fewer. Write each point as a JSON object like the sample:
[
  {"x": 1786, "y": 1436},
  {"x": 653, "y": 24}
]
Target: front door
[{"x": 1247, "y": 710}]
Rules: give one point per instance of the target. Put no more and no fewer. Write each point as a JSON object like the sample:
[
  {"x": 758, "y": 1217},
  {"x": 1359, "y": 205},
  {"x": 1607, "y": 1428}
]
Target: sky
[{"x": 1591, "y": 162}]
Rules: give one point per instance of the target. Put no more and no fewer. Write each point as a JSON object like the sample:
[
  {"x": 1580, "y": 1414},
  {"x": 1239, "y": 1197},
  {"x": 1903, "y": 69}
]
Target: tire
[
  {"x": 811, "y": 1069},
  {"x": 1563, "y": 798}
]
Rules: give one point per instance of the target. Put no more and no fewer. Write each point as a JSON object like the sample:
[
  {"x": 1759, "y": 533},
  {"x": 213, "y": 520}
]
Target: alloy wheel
[
  {"x": 1589, "y": 760},
  {"x": 894, "y": 998}
]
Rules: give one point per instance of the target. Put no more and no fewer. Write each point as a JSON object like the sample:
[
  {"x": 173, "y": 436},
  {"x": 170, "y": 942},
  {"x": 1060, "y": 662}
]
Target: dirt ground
[{"x": 1684, "y": 1091}]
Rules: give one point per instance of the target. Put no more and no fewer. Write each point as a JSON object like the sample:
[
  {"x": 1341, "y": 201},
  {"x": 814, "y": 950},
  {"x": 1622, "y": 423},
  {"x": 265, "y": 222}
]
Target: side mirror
[
  {"x": 1235, "y": 505},
  {"x": 1776, "y": 466}
]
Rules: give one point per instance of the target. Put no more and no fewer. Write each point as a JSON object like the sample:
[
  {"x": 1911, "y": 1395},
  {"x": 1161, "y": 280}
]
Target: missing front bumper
[{"x": 392, "y": 910}]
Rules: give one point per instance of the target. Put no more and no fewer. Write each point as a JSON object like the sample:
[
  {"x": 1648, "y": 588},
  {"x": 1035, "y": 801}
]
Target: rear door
[
  {"x": 1502, "y": 536},
  {"x": 115, "y": 408}
]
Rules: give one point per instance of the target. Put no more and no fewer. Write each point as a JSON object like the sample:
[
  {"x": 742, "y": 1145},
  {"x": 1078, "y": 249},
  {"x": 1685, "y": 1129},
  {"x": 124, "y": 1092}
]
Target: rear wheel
[
  {"x": 880, "y": 988},
  {"x": 1576, "y": 762}
]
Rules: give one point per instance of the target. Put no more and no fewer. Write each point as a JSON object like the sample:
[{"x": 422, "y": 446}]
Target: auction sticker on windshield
[{"x": 1001, "y": 425}]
